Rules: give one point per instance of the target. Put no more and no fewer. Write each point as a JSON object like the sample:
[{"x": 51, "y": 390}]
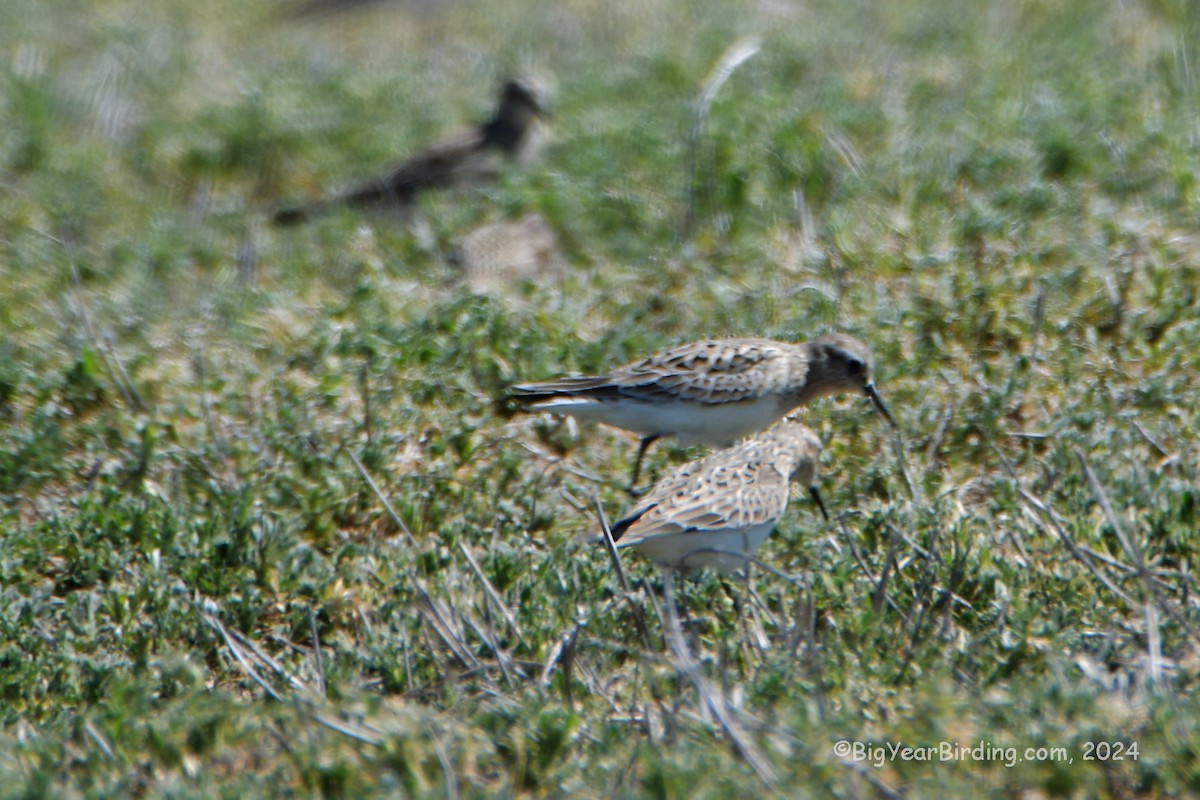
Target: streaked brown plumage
[
  {"x": 716, "y": 511},
  {"x": 711, "y": 392},
  {"x": 493, "y": 257},
  {"x": 468, "y": 158}
]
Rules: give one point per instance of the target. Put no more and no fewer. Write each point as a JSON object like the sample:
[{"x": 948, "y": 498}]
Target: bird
[
  {"x": 711, "y": 392},
  {"x": 716, "y": 511},
  {"x": 493, "y": 257},
  {"x": 468, "y": 158},
  {"x": 301, "y": 9}
]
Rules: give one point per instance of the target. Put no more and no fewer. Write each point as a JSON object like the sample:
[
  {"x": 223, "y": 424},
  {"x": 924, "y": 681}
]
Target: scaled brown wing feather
[
  {"x": 679, "y": 374},
  {"x": 684, "y": 501},
  {"x": 696, "y": 373}
]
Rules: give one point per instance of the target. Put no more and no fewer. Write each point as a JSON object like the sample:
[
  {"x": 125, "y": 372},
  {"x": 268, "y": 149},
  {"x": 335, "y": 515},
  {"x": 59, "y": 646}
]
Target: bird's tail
[
  {"x": 597, "y": 386},
  {"x": 298, "y": 215},
  {"x": 523, "y": 397}
]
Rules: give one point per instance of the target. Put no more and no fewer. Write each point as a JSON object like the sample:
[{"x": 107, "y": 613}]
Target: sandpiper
[
  {"x": 495, "y": 257},
  {"x": 470, "y": 157},
  {"x": 715, "y": 512},
  {"x": 711, "y": 392}
]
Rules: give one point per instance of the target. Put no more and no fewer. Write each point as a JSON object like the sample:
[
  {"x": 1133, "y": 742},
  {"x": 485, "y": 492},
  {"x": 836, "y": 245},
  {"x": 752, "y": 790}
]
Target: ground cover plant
[{"x": 267, "y": 528}]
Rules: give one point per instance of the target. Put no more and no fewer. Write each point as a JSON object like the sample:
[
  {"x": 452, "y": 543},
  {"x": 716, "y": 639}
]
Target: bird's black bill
[
  {"x": 877, "y": 401},
  {"x": 816, "y": 496}
]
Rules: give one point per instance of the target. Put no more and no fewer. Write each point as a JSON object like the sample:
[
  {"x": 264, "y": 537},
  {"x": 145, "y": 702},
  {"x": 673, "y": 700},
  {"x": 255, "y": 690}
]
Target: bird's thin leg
[
  {"x": 675, "y": 613},
  {"x": 637, "y": 465},
  {"x": 816, "y": 496},
  {"x": 734, "y": 591}
]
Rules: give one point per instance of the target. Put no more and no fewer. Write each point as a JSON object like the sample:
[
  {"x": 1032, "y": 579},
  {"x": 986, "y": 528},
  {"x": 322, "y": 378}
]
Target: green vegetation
[{"x": 201, "y": 594}]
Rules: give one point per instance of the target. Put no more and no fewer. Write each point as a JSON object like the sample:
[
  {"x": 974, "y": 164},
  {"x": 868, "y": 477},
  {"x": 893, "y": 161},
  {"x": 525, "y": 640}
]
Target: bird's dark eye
[{"x": 856, "y": 366}]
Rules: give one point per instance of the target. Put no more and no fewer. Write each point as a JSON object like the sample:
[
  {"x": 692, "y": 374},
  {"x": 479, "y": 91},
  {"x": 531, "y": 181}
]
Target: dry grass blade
[
  {"x": 1135, "y": 554},
  {"x": 243, "y": 661},
  {"x": 1039, "y": 509},
  {"x": 556, "y": 652},
  {"x": 443, "y": 756},
  {"x": 116, "y": 370},
  {"x": 611, "y": 546},
  {"x": 902, "y": 465},
  {"x": 268, "y": 660},
  {"x": 876, "y": 783},
  {"x": 687, "y": 667},
  {"x": 488, "y": 635},
  {"x": 379, "y": 493},
  {"x": 880, "y": 596},
  {"x": 490, "y": 591},
  {"x": 563, "y": 653},
  {"x": 939, "y": 434},
  {"x": 734, "y": 56},
  {"x": 352, "y": 732},
  {"x": 562, "y": 464},
  {"x": 441, "y": 619},
  {"x": 89, "y": 727},
  {"x": 1150, "y": 597},
  {"x": 878, "y": 586},
  {"x": 239, "y": 656},
  {"x": 316, "y": 649},
  {"x": 806, "y": 228},
  {"x": 1151, "y": 440},
  {"x": 210, "y": 420}
]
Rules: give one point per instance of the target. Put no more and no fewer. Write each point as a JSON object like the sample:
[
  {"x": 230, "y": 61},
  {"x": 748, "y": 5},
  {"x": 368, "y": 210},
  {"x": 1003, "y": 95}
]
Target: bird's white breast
[
  {"x": 713, "y": 425},
  {"x": 722, "y": 550}
]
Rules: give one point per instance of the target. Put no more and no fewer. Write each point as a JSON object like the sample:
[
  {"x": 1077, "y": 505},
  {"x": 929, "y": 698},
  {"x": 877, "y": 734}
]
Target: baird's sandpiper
[
  {"x": 715, "y": 512},
  {"x": 711, "y": 392},
  {"x": 494, "y": 258},
  {"x": 468, "y": 158}
]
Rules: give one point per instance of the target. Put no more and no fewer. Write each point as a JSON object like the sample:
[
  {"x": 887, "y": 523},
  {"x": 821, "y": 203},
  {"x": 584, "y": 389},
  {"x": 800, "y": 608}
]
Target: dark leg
[
  {"x": 816, "y": 496},
  {"x": 637, "y": 465}
]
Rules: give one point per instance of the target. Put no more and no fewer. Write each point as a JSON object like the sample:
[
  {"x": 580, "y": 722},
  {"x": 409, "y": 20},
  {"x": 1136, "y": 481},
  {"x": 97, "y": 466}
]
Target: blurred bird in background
[{"x": 469, "y": 158}]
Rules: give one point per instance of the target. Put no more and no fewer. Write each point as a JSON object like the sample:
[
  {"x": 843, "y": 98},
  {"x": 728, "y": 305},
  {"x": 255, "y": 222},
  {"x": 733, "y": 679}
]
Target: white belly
[
  {"x": 721, "y": 550},
  {"x": 713, "y": 425}
]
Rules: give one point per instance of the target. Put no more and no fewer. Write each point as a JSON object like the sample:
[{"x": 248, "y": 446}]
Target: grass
[{"x": 265, "y": 533}]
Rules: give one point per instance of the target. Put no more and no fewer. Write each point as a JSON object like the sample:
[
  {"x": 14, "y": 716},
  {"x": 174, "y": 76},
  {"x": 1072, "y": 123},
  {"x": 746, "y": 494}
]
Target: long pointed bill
[
  {"x": 816, "y": 496},
  {"x": 877, "y": 401}
]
